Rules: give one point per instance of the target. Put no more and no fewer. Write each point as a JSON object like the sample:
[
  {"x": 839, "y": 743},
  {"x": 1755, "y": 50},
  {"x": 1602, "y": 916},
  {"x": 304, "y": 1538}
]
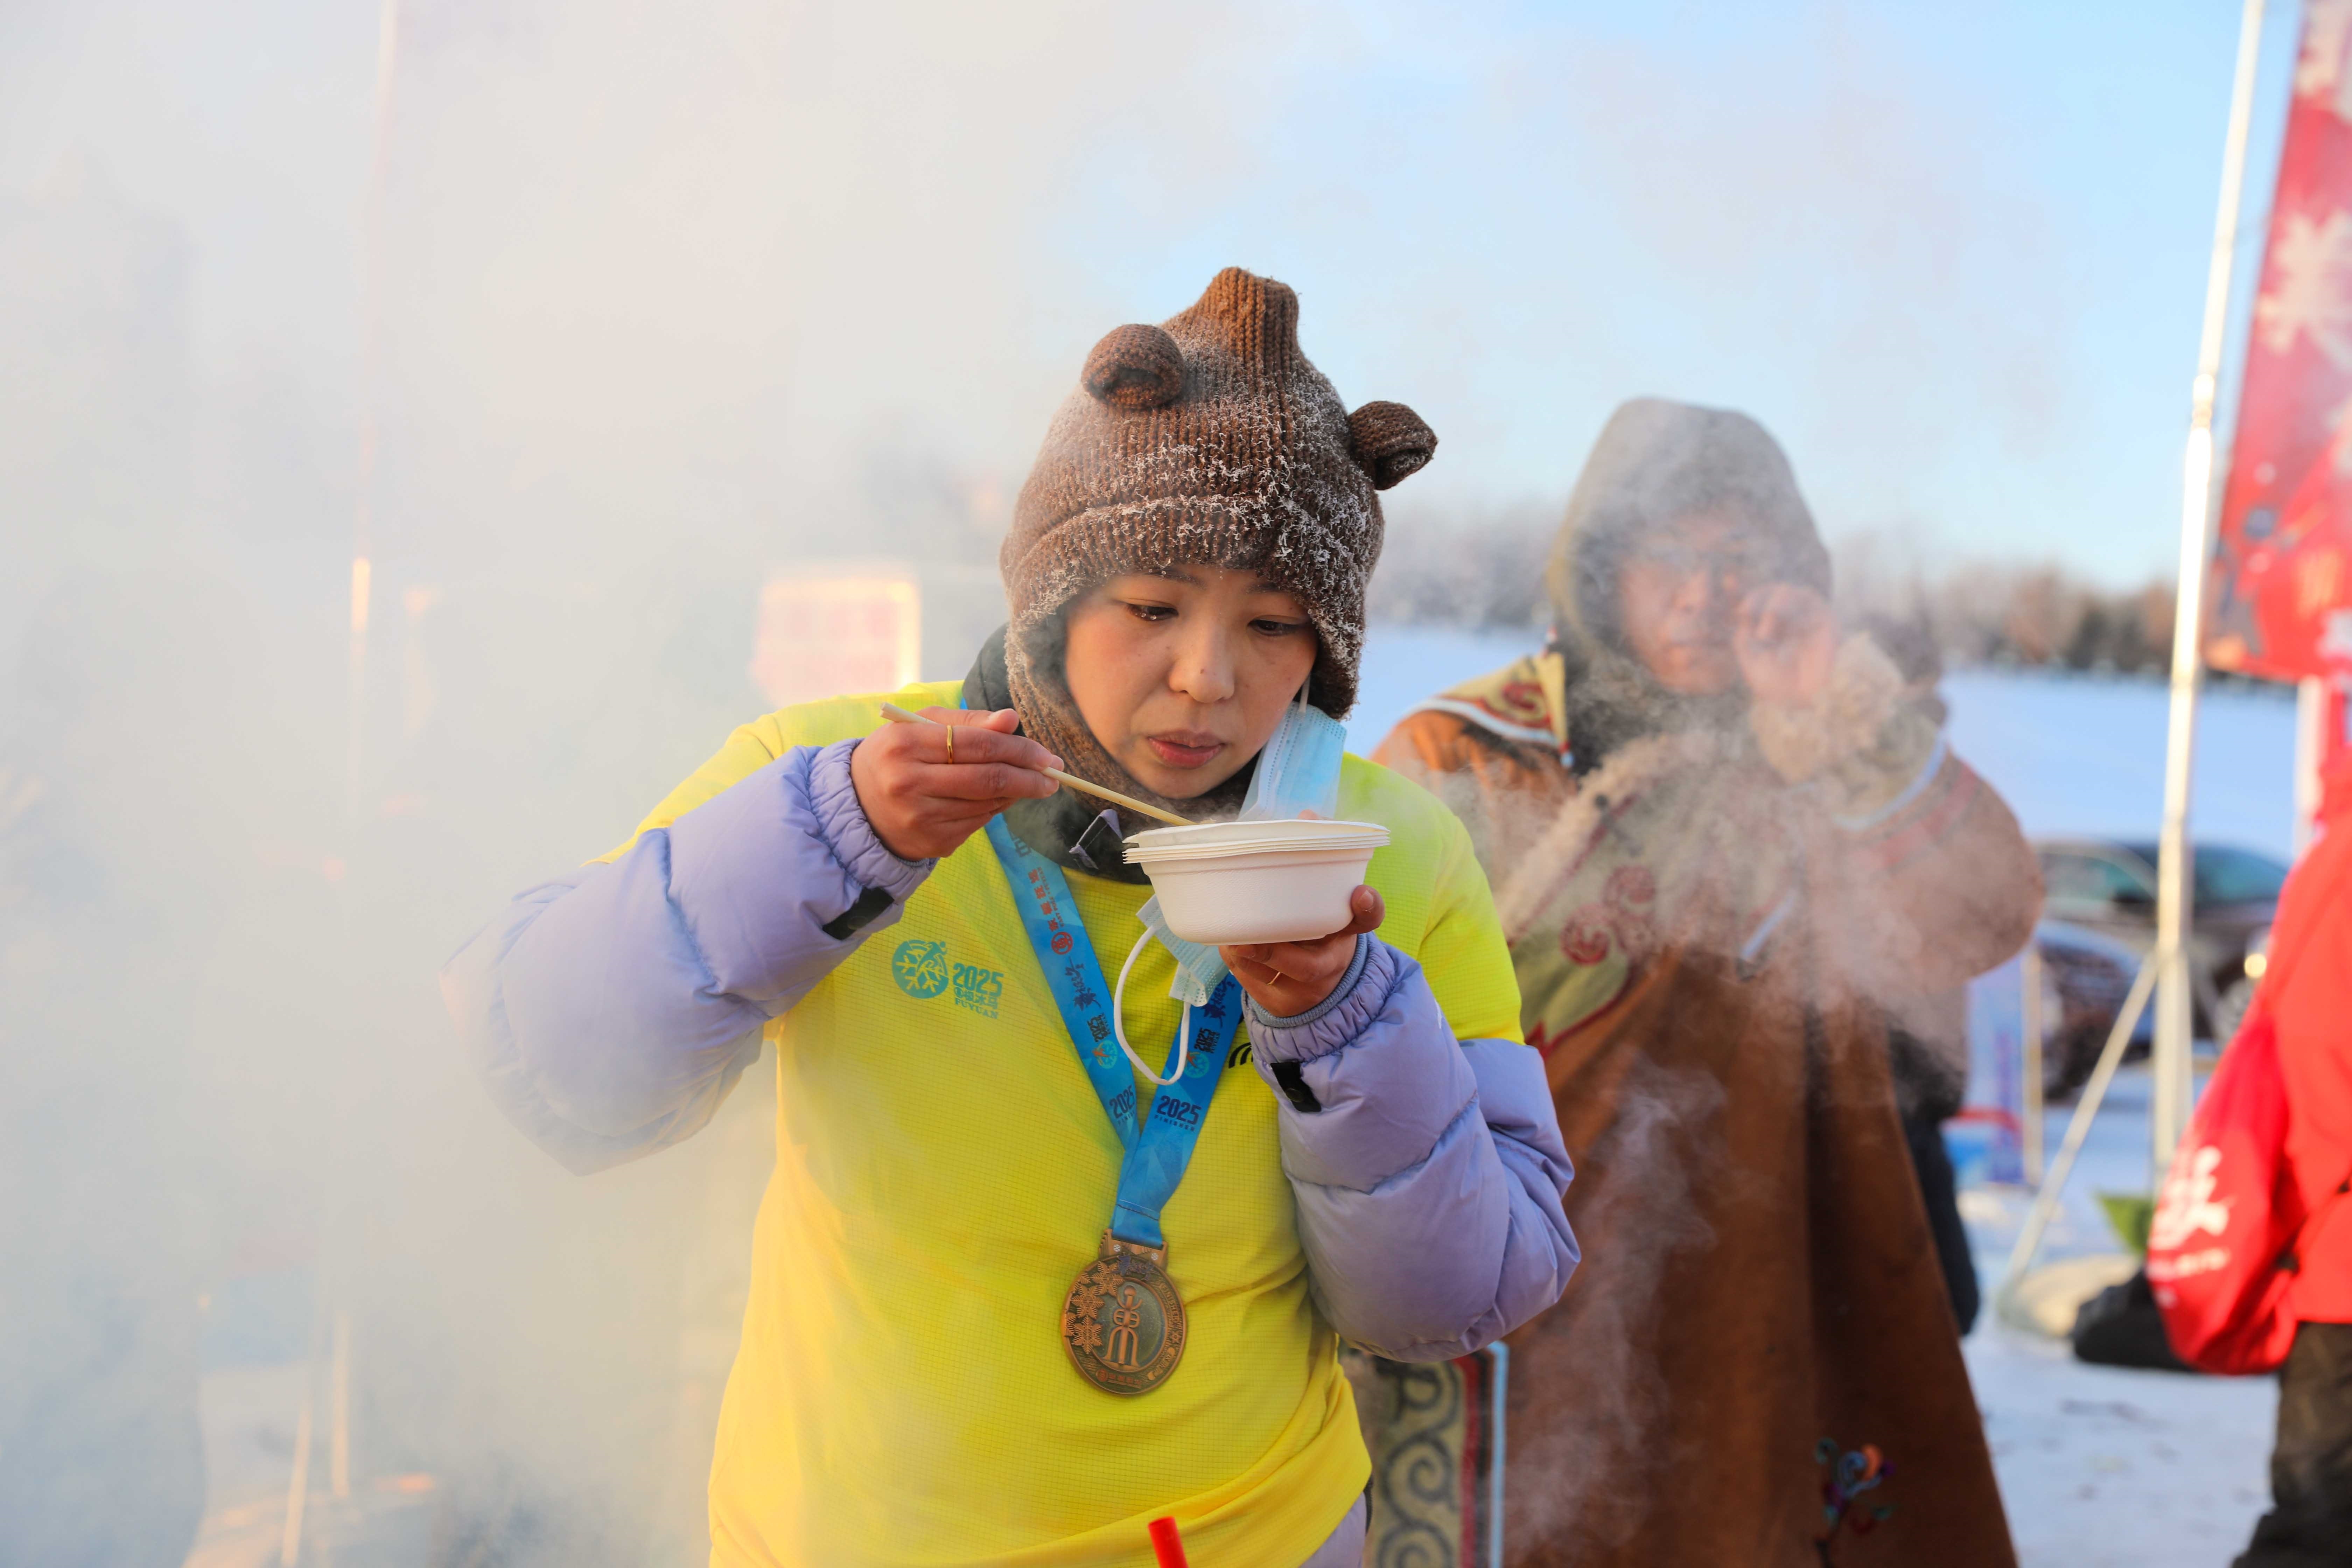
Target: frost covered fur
[
  {"x": 1207, "y": 440},
  {"x": 1847, "y": 716}
]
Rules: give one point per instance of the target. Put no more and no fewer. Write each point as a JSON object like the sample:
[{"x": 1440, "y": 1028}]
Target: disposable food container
[{"x": 1221, "y": 883}]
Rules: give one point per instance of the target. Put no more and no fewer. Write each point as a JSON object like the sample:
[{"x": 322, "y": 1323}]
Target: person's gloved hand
[
  {"x": 1288, "y": 978},
  {"x": 1853, "y": 729}
]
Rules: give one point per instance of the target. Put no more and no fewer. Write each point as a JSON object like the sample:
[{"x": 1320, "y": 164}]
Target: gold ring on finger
[{"x": 950, "y": 729}]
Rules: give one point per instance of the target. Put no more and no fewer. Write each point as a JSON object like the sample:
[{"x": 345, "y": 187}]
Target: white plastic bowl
[{"x": 1228, "y": 882}]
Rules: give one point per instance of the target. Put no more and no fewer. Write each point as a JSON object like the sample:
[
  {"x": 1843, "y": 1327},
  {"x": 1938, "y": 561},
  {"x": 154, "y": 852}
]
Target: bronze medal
[{"x": 1123, "y": 1323}]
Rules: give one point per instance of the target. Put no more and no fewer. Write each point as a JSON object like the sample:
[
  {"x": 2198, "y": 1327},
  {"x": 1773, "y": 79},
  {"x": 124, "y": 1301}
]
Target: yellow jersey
[{"x": 943, "y": 1171}]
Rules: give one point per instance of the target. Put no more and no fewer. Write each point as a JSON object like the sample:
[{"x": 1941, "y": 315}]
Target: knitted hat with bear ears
[{"x": 1208, "y": 440}]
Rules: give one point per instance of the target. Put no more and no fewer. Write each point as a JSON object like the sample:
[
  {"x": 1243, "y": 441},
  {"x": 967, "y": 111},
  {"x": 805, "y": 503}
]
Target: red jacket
[{"x": 2310, "y": 995}]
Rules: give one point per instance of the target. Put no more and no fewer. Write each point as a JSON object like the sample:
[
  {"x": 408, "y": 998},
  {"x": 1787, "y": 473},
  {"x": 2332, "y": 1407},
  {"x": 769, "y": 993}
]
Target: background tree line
[{"x": 1485, "y": 570}]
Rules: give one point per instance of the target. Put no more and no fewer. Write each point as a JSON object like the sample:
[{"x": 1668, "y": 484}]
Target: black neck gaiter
[{"x": 1062, "y": 825}]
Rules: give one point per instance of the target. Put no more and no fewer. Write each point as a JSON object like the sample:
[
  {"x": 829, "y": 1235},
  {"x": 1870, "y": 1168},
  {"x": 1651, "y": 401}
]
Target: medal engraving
[{"x": 1123, "y": 1323}]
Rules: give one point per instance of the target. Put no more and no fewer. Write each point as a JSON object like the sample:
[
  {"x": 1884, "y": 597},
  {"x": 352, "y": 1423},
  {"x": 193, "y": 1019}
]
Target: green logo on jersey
[
  {"x": 978, "y": 989},
  {"x": 920, "y": 967}
]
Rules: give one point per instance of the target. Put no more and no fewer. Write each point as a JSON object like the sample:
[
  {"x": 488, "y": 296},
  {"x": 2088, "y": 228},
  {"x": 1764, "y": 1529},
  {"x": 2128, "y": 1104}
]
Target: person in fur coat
[{"x": 1725, "y": 850}]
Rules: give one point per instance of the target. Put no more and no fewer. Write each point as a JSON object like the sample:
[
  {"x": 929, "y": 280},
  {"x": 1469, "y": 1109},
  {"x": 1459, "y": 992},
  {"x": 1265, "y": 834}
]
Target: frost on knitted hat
[{"x": 1208, "y": 440}]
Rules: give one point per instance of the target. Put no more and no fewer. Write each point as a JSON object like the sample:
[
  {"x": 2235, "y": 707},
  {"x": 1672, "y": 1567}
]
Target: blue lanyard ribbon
[{"x": 1156, "y": 1153}]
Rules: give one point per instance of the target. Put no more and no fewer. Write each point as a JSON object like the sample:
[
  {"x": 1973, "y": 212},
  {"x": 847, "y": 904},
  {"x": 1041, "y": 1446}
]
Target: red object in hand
[{"x": 1166, "y": 1544}]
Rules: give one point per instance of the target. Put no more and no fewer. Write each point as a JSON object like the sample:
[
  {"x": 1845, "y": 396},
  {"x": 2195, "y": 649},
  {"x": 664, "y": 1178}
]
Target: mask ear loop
[{"x": 1119, "y": 1028}]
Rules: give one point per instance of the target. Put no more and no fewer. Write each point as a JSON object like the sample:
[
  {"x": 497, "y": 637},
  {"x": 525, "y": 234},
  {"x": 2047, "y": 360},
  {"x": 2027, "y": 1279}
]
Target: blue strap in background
[{"x": 1155, "y": 1157}]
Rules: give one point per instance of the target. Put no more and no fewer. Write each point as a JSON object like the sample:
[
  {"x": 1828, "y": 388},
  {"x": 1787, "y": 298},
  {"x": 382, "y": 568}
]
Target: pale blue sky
[{"x": 1953, "y": 253}]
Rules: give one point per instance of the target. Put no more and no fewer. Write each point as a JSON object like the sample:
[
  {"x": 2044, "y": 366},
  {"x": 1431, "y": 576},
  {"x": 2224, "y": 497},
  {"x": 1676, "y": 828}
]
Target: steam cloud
[{"x": 636, "y": 304}]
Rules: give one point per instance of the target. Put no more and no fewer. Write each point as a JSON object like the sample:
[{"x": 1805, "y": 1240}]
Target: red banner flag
[{"x": 2282, "y": 569}]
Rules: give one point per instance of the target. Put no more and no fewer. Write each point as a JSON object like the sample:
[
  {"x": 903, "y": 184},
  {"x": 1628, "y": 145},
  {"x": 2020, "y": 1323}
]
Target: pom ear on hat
[
  {"x": 1389, "y": 441},
  {"x": 1135, "y": 367}
]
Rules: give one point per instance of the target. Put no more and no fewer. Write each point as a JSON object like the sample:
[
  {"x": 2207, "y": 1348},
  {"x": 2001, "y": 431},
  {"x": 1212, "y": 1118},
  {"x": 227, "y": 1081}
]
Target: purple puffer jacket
[{"x": 611, "y": 1011}]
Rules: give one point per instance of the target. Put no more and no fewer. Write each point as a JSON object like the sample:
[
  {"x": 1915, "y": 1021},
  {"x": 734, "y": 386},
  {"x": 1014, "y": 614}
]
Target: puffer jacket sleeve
[
  {"x": 1429, "y": 1172},
  {"x": 612, "y": 1010}
]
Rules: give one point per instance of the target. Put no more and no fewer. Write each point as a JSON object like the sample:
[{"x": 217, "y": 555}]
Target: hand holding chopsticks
[
  {"x": 926, "y": 787},
  {"x": 899, "y": 715}
]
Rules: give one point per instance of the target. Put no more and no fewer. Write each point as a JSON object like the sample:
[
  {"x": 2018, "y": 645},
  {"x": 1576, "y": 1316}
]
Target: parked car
[
  {"x": 2084, "y": 978},
  {"x": 2238, "y": 994},
  {"x": 2108, "y": 886}
]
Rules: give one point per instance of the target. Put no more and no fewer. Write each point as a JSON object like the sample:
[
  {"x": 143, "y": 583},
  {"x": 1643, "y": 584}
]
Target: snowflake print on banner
[
  {"x": 2312, "y": 289},
  {"x": 2287, "y": 500},
  {"x": 2319, "y": 70}
]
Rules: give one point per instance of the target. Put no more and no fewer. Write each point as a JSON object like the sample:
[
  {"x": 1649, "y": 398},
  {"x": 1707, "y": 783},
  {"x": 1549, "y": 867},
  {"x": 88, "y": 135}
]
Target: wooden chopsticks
[{"x": 897, "y": 715}]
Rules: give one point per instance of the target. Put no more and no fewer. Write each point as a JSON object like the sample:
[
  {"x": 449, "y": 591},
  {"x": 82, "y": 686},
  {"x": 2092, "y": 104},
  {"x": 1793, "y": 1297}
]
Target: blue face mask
[
  {"x": 1297, "y": 775},
  {"x": 1199, "y": 970}
]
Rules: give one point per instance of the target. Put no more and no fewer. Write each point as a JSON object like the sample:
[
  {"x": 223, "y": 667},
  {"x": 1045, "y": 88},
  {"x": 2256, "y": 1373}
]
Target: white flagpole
[{"x": 2168, "y": 1112}]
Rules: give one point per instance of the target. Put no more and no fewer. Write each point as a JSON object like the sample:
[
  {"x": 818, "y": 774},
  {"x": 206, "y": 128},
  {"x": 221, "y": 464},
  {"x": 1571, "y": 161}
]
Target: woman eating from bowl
[{"x": 1013, "y": 1300}]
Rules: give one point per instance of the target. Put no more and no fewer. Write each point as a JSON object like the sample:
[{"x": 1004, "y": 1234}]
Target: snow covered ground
[
  {"x": 2078, "y": 753},
  {"x": 2101, "y": 1466},
  {"x": 2098, "y": 1466}
]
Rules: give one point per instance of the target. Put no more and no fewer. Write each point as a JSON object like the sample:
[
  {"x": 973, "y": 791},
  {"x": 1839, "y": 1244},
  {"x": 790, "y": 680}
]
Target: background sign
[
  {"x": 822, "y": 636},
  {"x": 2282, "y": 578}
]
